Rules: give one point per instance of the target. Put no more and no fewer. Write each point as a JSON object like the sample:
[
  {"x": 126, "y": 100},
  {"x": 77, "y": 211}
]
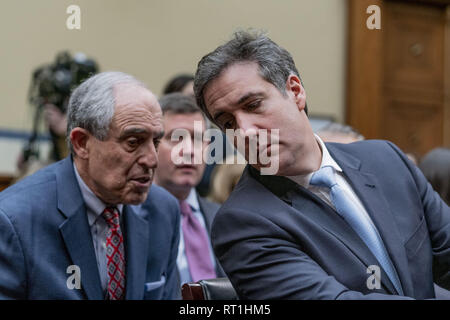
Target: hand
[{"x": 56, "y": 120}]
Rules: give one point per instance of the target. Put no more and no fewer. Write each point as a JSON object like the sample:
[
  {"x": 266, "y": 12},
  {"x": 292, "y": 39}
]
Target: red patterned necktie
[{"x": 115, "y": 255}]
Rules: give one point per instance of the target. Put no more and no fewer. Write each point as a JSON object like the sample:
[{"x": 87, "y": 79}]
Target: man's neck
[
  {"x": 181, "y": 193},
  {"x": 82, "y": 172},
  {"x": 310, "y": 159}
]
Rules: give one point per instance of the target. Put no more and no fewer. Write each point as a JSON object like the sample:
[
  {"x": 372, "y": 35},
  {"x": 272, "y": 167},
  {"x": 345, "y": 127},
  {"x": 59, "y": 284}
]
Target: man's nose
[
  {"x": 188, "y": 146},
  {"x": 188, "y": 152},
  {"x": 247, "y": 124},
  {"x": 149, "y": 156}
]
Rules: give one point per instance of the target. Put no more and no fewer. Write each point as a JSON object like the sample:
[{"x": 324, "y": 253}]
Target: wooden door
[{"x": 398, "y": 76}]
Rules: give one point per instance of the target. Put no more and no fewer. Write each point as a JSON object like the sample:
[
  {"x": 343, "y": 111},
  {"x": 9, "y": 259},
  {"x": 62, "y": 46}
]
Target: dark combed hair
[
  {"x": 435, "y": 166},
  {"x": 177, "y": 83},
  {"x": 178, "y": 103},
  {"x": 275, "y": 63}
]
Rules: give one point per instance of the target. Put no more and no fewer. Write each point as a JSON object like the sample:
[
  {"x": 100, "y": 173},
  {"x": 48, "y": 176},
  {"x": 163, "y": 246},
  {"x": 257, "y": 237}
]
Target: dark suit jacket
[
  {"x": 275, "y": 239},
  {"x": 209, "y": 210},
  {"x": 44, "y": 230}
]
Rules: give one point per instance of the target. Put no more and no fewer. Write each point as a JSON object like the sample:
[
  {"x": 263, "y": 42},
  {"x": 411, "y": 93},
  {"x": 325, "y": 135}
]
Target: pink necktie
[
  {"x": 196, "y": 245},
  {"x": 115, "y": 255}
]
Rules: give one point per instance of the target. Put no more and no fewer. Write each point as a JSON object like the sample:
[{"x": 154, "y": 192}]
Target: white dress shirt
[{"x": 324, "y": 192}]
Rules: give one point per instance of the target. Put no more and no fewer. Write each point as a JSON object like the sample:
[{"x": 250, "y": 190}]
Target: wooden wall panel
[
  {"x": 413, "y": 48},
  {"x": 399, "y": 76},
  {"x": 415, "y": 126},
  {"x": 446, "y": 141},
  {"x": 364, "y": 73}
]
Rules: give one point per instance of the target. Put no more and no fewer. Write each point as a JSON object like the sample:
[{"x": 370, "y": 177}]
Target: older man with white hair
[{"x": 68, "y": 232}]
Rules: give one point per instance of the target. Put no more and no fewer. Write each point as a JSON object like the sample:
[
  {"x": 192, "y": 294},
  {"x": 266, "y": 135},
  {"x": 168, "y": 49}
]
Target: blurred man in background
[
  {"x": 435, "y": 165},
  {"x": 340, "y": 133},
  {"x": 183, "y": 83},
  {"x": 196, "y": 259}
]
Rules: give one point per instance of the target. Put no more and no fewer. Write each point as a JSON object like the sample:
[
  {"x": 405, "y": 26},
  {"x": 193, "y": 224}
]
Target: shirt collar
[
  {"x": 192, "y": 200},
  {"x": 327, "y": 160},
  {"x": 93, "y": 203}
]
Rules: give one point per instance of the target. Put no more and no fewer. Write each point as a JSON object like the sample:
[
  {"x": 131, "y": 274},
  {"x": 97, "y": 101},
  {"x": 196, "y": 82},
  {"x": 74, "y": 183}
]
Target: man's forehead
[
  {"x": 233, "y": 83},
  {"x": 177, "y": 120},
  {"x": 129, "y": 94},
  {"x": 139, "y": 115},
  {"x": 188, "y": 116}
]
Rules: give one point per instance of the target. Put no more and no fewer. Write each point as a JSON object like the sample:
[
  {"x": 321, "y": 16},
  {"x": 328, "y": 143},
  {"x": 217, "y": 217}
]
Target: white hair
[{"x": 92, "y": 103}]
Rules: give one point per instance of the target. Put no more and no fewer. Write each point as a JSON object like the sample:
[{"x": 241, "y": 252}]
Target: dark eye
[
  {"x": 228, "y": 124},
  {"x": 253, "y": 105},
  {"x": 156, "y": 142},
  {"x": 132, "y": 142}
]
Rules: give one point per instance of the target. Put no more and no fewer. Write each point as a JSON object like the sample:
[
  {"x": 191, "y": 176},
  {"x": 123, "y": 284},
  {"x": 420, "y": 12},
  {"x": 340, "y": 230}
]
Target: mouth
[
  {"x": 142, "y": 181},
  {"x": 263, "y": 147},
  {"x": 258, "y": 149},
  {"x": 186, "y": 167}
]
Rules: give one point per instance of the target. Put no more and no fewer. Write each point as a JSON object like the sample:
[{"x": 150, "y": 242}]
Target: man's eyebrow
[
  {"x": 159, "y": 135},
  {"x": 133, "y": 130},
  {"x": 249, "y": 95},
  {"x": 170, "y": 133},
  {"x": 218, "y": 115}
]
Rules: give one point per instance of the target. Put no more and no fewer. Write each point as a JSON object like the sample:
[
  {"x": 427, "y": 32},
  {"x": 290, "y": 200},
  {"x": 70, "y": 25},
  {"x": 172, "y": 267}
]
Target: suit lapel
[
  {"x": 75, "y": 230},
  {"x": 366, "y": 187},
  {"x": 206, "y": 214},
  {"x": 321, "y": 213},
  {"x": 317, "y": 210},
  {"x": 137, "y": 240}
]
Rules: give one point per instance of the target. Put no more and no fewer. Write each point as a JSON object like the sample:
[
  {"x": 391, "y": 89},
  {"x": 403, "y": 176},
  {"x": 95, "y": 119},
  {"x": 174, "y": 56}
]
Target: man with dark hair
[
  {"x": 179, "y": 173},
  {"x": 435, "y": 166},
  {"x": 69, "y": 232},
  {"x": 337, "y": 132},
  {"x": 181, "y": 83},
  {"x": 337, "y": 221},
  {"x": 184, "y": 83}
]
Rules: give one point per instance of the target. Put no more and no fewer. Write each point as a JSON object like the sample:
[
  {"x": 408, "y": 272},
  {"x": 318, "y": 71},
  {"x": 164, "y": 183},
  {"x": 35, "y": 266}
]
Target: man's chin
[
  {"x": 268, "y": 170},
  {"x": 136, "y": 198},
  {"x": 186, "y": 181}
]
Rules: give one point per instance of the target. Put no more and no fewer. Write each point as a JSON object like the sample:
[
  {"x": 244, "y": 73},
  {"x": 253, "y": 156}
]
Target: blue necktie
[{"x": 358, "y": 221}]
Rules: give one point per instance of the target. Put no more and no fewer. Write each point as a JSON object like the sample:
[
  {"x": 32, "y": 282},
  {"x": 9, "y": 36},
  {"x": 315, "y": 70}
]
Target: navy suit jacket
[
  {"x": 277, "y": 240},
  {"x": 44, "y": 230}
]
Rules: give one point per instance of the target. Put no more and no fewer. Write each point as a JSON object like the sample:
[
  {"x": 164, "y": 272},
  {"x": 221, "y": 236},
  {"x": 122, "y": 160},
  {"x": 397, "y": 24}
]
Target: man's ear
[
  {"x": 79, "y": 138},
  {"x": 295, "y": 87}
]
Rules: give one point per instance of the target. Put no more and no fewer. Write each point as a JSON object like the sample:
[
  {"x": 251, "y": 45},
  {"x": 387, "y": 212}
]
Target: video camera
[{"x": 52, "y": 84}]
